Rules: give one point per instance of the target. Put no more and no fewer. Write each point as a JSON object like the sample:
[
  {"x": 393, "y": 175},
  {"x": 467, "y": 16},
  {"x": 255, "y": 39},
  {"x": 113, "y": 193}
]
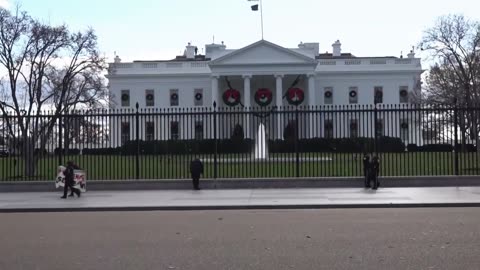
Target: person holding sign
[{"x": 69, "y": 180}]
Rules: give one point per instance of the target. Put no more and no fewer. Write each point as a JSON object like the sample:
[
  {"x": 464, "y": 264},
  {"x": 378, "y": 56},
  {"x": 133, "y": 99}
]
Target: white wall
[
  {"x": 391, "y": 84},
  {"x": 341, "y": 83},
  {"x": 161, "y": 87}
]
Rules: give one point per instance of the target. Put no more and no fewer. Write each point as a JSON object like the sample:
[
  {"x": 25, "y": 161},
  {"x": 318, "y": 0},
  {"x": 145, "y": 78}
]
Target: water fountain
[
  {"x": 261, "y": 143},
  {"x": 260, "y": 152}
]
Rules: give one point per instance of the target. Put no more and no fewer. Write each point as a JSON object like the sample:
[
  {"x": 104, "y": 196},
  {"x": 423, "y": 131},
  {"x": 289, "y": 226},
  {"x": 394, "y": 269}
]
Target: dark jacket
[
  {"x": 69, "y": 173},
  {"x": 376, "y": 165},
  {"x": 196, "y": 167},
  {"x": 366, "y": 162}
]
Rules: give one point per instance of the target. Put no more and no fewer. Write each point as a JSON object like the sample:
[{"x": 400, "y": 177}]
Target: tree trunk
[
  {"x": 476, "y": 124},
  {"x": 463, "y": 131},
  {"x": 29, "y": 157},
  {"x": 66, "y": 142}
]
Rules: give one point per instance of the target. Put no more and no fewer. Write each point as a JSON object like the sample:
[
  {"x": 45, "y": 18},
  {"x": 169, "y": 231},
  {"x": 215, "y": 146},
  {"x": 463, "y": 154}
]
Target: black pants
[
  {"x": 376, "y": 183},
  {"x": 69, "y": 184},
  {"x": 367, "y": 177},
  {"x": 196, "y": 180}
]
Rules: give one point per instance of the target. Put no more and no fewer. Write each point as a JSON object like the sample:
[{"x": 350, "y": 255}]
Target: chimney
[
  {"x": 212, "y": 49},
  {"x": 314, "y": 47},
  {"x": 337, "y": 48},
  {"x": 190, "y": 51},
  {"x": 411, "y": 54},
  {"x": 117, "y": 59}
]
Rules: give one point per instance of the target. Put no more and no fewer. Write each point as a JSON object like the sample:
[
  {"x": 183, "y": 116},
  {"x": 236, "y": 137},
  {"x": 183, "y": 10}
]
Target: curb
[
  {"x": 339, "y": 182},
  {"x": 238, "y": 207}
]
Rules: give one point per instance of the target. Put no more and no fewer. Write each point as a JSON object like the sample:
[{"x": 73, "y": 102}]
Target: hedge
[
  {"x": 224, "y": 146},
  {"x": 73, "y": 151},
  {"x": 470, "y": 148},
  {"x": 237, "y": 145},
  {"x": 338, "y": 145},
  {"x": 39, "y": 152},
  {"x": 102, "y": 151}
]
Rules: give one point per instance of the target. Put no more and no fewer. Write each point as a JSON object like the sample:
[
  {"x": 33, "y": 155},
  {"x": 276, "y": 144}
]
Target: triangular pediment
[{"x": 262, "y": 52}]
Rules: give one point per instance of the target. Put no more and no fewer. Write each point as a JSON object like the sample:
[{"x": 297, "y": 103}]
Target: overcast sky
[{"x": 159, "y": 29}]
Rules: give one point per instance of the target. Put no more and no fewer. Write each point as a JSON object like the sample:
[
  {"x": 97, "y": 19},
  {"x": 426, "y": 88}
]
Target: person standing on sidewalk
[
  {"x": 196, "y": 169},
  {"x": 366, "y": 170},
  {"x": 375, "y": 167},
  {"x": 69, "y": 182}
]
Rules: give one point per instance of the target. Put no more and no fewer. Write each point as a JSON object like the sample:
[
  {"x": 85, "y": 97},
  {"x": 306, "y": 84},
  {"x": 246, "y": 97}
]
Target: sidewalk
[{"x": 242, "y": 199}]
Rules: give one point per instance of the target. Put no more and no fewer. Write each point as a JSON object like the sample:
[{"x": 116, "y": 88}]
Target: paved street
[{"x": 413, "y": 238}]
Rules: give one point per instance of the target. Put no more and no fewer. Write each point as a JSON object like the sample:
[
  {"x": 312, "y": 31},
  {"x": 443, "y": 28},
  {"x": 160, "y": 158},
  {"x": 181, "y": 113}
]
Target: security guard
[
  {"x": 366, "y": 170},
  {"x": 375, "y": 170},
  {"x": 196, "y": 169}
]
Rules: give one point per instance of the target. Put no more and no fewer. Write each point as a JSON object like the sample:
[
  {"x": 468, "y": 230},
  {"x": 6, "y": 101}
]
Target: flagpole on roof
[
  {"x": 261, "y": 15},
  {"x": 255, "y": 8}
]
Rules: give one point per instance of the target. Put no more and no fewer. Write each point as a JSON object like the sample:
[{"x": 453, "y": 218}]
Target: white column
[
  {"x": 279, "y": 103},
  {"x": 279, "y": 90},
  {"x": 215, "y": 89},
  {"x": 311, "y": 103},
  {"x": 247, "y": 102},
  {"x": 246, "y": 90}
]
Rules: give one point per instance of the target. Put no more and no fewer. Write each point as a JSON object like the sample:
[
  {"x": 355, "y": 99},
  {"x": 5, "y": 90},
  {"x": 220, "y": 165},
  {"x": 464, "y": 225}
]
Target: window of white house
[
  {"x": 125, "y": 98},
  {"x": 353, "y": 95},
  {"x": 429, "y": 134},
  {"x": 149, "y": 131},
  {"x": 353, "y": 128},
  {"x": 174, "y": 130},
  {"x": 125, "y": 132},
  {"x": 174, "y": 97},
  {"x": 328, "y": 128},
  {"x": 403, "y": 94},
  {"x": 328, "y": 95},
  {"x": 378, "y": 94},
  {"x": 198, "y": 130},
  {"x": 149, "y": 98},
  {"x": 198, "y": 97},
  {"x": 379, "y": 128},
  {"x": 404, "y": 129}
]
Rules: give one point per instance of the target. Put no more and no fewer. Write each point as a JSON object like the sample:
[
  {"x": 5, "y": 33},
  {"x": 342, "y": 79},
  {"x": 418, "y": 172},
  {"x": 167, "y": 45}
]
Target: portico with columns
[
  {"x": 278, "y": 84},
  {"x": 264, "y": 65}
]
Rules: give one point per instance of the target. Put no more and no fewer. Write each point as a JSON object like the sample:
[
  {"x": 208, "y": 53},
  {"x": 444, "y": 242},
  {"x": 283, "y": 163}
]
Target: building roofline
[{"x": 238, "y": 51}]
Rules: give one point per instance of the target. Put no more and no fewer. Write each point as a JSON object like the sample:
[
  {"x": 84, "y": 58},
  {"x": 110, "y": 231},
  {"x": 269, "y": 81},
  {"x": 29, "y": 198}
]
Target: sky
[{"x": 160, "y": 29}]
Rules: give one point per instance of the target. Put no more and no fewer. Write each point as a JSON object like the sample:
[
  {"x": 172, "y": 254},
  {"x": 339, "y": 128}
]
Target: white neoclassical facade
[{"x": 263, "y": 74}]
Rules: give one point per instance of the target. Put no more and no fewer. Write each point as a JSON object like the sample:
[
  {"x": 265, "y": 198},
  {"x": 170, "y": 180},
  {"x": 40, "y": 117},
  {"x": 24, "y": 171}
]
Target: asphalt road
[{"x": 434, "y": 238}]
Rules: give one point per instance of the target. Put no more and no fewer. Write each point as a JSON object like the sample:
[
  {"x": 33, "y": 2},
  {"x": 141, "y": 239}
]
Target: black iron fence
[{"x": 322, "y": 141}]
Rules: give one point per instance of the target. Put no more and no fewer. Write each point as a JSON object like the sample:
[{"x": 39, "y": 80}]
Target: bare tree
[
  {"x": 454, "y": 46},
  {"x": 34, "y": 55},
  {"x": 79, "y": 84}
]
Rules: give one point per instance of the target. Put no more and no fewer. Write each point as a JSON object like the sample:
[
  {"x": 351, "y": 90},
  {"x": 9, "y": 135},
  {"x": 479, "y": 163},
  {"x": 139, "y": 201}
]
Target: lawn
[{"x": 176, "y": 167}]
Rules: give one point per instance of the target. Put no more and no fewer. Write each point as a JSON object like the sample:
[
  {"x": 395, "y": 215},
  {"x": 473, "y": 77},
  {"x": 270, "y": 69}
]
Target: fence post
[
  {"x": 60, "y": 134},
  {"x": 375, "y": 129},
  {"x": 215, "y": 139},
  {"x": 297, "y": 154},
  {"x": 455, "y": 126},
  {"x": 137, "y": 139}
]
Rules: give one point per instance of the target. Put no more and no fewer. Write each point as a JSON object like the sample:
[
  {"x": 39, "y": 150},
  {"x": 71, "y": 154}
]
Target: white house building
[{"x": 263, "y": 74}]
